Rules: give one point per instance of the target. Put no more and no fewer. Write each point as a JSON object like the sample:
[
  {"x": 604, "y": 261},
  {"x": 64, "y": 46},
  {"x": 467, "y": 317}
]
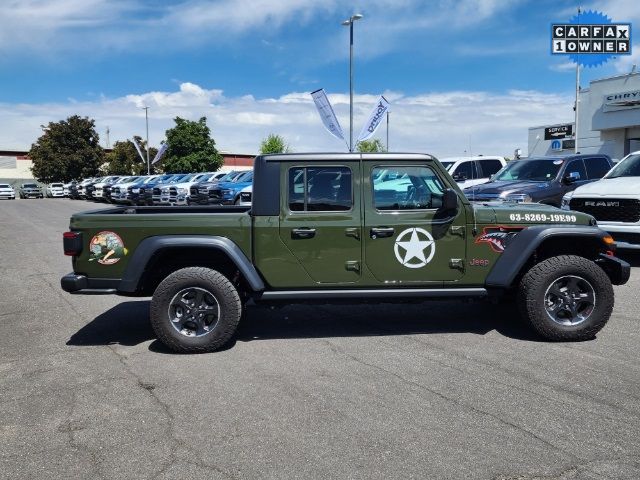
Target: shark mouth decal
[{"x": 498, "y": 237}]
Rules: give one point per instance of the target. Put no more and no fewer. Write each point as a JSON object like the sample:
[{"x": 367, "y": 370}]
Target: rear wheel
[
  {"x": 195, "y": 310},
  {"x": 566, "y": 298}
]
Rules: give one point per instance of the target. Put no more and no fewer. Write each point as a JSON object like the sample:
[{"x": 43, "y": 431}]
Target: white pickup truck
[
  {"x": 614, "y": 201},
  {"x": 471, "y": 171}
]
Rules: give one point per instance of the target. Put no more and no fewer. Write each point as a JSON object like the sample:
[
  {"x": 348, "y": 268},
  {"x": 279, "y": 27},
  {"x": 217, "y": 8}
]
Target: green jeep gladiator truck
[{"x": 345, "y": 228}]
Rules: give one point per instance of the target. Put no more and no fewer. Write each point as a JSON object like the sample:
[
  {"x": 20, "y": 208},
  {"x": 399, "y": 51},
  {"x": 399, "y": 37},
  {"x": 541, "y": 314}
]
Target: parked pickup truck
[{"x": 320, "y": 230}]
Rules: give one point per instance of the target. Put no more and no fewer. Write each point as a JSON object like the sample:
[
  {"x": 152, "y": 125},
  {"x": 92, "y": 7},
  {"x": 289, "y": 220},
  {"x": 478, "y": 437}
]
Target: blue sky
[{"x": 479, "y": 68}]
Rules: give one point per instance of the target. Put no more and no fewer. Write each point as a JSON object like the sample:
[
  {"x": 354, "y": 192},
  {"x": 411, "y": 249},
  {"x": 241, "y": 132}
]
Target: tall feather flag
[
  {"x": 327, "y": 114},
  {"x": 160, "y": 153},
  {"x": 377, "y": 114},
  {"x": 135, "y": 143}
]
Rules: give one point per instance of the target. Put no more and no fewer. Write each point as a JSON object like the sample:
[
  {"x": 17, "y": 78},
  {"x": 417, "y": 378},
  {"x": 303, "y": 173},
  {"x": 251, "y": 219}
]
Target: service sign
[
  {"x": 559, "y": 131},
  {"x": 590, "y": 38}
]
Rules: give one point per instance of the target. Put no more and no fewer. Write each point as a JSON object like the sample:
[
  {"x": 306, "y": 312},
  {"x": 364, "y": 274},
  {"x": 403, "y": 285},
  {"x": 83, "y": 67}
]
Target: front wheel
[
  {"x": 195, "y": 310},
  {"x": 567, "y": 298}
]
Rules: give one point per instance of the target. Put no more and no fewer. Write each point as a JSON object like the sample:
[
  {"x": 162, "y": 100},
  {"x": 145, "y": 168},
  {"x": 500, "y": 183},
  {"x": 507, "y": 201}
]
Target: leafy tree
[
  {"x": 191, "y": 148},
  {"x": 274, "y": 144},
  {"x": 124, "y": 158},
  {"x": 371, "y": 146},
  {"x": 67, "y": 150}
]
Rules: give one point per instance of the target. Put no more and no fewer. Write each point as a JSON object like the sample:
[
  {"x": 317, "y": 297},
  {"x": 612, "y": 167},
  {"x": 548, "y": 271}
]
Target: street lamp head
[{"x": 353, "y": 18}]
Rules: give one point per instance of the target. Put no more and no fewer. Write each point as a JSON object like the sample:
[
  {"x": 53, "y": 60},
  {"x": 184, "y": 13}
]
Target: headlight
[
  {"x": 135, "y": 190},
  {"x": 227, "y": 192},
  {"x": 516, "y": 197},
  {"x": 165, "y": 191},
  {"x": 182, "y": 191},
  {"x": 566, "y": 200}
]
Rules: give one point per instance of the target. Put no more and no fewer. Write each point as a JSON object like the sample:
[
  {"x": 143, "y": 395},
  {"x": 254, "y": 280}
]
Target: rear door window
[
  {"x": 597, "y": 167},
  {"x": 320, "y": 189},
  {"x": 465, "y": 171},
  {"x": 489, "y": 167}
]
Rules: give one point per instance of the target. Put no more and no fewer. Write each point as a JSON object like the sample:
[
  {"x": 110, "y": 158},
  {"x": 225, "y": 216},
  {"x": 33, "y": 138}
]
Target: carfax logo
[{"x": 590, "y": 38}]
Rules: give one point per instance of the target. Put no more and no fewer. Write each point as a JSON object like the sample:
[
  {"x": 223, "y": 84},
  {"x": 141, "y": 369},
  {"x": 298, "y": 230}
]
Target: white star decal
[{"x": 414, "y": 248}]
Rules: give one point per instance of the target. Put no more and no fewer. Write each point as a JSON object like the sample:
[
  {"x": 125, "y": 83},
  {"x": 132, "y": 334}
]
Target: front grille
[
  {"x": 245, "y": 196},
  {"x": 215, "y": 194},
  {"x": 625, "y": 210},
  {"x": 156, "y": 191},
  {"x": 115, "y": 191},
  {"x": 194, "y": 190}
]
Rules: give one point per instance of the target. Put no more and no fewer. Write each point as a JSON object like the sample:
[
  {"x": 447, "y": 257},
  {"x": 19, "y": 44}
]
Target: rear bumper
[
  {"x": 80, "y": 284},
  {"x": 617, "y": 270}
]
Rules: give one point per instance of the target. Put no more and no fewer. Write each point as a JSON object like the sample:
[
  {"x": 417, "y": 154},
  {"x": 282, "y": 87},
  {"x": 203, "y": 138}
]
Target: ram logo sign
[{"x": 601, "y": 203}]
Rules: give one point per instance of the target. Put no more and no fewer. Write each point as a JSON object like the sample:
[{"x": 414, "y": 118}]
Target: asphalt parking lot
[{"x": 436, "y": 390}]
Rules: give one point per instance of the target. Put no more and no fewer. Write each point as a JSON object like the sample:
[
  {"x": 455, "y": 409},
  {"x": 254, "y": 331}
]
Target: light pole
[
  {"x": 146, "y": 117},
  {"x": 349, "y": 23}
]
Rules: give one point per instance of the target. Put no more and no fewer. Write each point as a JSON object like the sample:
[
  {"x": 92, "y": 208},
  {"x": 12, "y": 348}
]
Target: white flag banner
[
  {"x": 135, "y": 143},
  {"x": 377, "y": 114},
  {"x": 160, "y": 153},
  {"x": 327, "y": 114}
]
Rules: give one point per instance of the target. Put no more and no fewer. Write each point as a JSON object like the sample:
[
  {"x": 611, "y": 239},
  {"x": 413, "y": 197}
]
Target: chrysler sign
[{"x": 621, "y": 101}]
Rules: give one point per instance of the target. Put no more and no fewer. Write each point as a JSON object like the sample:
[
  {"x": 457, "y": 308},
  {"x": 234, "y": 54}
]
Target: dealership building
[{"x": 608, "y": 121}]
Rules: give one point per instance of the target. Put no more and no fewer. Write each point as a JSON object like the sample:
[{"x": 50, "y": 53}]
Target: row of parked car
[
  {"x": 25, "y": 190},
  {"x": 208, "y": 188}
]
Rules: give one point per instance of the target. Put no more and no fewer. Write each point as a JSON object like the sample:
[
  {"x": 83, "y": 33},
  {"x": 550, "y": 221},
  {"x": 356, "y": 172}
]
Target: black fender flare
[
  {"x": 527, "y": 241},
  {"x": 151, "y": 245}
]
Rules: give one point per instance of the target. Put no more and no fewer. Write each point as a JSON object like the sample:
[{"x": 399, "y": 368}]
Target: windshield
[
  {"x": 228, "y": 176},
  {"x": 447, "y": 165},
  {"x": 30, "y": 185},
  {"x": 245, "y": 177},
  {"x": 4, "y": 185},
  {"x": 627, "y": 167},
  {"x": 531, "y": 170},
  {"x": 56, "y": 185}
]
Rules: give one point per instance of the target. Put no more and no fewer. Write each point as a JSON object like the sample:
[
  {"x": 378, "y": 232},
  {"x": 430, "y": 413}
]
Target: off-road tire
[
  {"x": 226, "y": 295},
  {"x": 533, "y": 288}
]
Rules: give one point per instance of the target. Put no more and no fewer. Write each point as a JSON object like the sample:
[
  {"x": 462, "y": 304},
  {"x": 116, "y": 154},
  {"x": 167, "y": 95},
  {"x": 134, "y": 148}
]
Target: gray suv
[{"x": 30, "y": 190}]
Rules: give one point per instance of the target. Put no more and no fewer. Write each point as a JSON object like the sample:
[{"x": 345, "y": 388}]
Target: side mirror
[
  {"x": 450, "y": 200},
  {"x": 571, "y": 177}
]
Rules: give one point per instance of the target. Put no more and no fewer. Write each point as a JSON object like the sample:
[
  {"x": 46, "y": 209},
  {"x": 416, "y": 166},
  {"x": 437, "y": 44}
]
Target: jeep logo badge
[{"x": 414, "y": 248}]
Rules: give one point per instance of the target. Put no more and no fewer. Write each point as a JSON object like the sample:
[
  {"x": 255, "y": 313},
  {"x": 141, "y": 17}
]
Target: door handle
[
  {"x": 381, "y": 232},
  {"x": 303, "y": 233}
]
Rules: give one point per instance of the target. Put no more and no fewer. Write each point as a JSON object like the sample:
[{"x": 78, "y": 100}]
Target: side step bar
[{"x": 374, "y": 293}]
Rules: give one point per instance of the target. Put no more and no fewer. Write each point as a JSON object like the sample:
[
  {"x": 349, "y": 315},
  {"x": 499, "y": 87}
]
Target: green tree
[
  {"x": 191, "y": 148},
  {"x": 371, "y": 146},
  {"x": 67, "y": 150},
  {"x": 124, "y": 158},
  {"x": 274, "y": 144}
]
